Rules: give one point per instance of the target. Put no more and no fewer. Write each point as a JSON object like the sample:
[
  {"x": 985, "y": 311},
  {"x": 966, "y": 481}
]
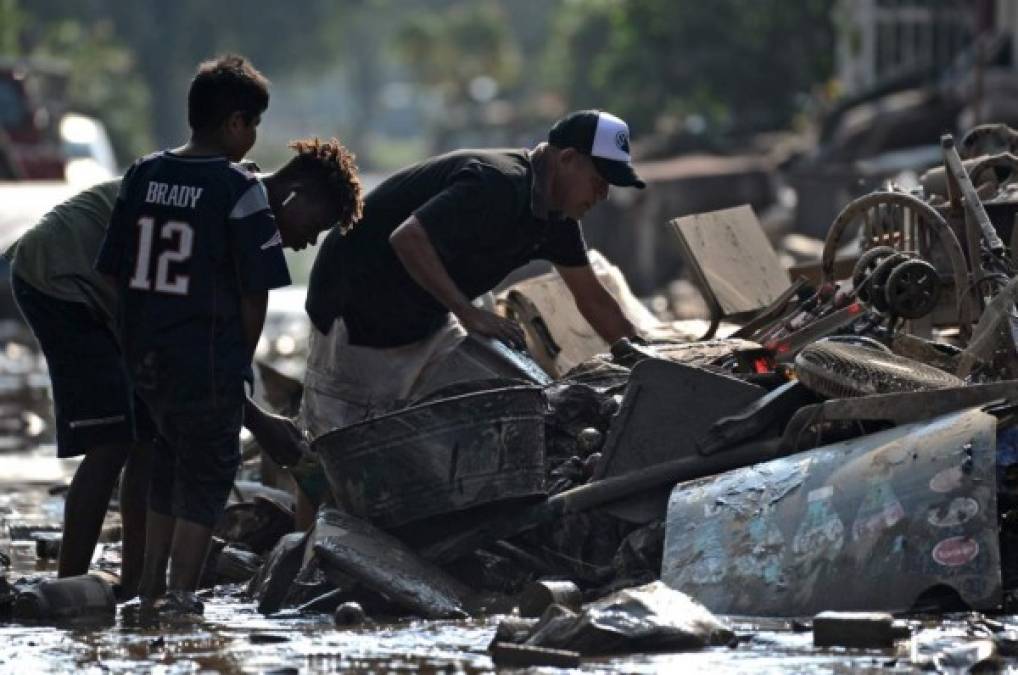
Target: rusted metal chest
[{"x": 439, "y": 457}]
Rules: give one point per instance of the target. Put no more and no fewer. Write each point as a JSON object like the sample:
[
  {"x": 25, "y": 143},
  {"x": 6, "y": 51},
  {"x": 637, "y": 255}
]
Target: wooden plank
[{"x": 732, "y": 258}]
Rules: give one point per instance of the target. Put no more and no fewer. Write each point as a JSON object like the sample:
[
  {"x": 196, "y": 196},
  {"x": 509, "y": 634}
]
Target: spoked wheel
[
  {"x": 912, "y": 289},
  {"x": 878, "y": 280},
  {"x": 863, "y": 271}
]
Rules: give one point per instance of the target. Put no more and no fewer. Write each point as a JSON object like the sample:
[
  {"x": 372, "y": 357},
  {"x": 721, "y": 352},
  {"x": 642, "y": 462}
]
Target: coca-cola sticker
[{"x": 956, "y": 551}]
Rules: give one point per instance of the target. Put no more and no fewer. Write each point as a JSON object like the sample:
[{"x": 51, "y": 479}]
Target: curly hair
[{"x": 328, "y": 171}]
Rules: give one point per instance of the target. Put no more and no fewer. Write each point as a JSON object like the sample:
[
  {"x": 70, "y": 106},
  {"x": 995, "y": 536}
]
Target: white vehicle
[{"x": 89, "y": 153}]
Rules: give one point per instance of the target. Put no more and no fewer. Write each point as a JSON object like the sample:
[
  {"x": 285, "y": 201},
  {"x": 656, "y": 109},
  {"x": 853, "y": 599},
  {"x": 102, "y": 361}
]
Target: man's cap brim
[{"x": 618, "y": 173}]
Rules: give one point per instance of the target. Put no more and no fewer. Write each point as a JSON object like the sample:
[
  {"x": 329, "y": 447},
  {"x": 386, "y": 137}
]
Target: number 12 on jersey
[{"x": 181, "y": 238}]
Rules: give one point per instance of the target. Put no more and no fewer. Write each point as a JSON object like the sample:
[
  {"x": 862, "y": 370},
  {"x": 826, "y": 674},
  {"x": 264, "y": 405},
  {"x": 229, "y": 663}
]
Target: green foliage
[
  {"x": 103, "y": 81},
  {"x": 102, "y": 77},
  {"x": 739, "y": 64},
  {"x": 449, "y": 49}
]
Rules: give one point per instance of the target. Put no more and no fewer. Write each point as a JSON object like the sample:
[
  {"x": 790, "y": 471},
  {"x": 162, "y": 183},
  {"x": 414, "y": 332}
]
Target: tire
[
  {"x": 868, "y": 262},
  {"x": 878, "y": 280},
  {"x": 837, "y": 370},
  {"x": 912, "y": 290}
]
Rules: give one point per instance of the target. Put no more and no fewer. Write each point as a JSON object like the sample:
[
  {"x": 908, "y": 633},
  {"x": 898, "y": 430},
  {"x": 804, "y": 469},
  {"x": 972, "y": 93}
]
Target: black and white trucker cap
[{"x": 605, "y": 138}]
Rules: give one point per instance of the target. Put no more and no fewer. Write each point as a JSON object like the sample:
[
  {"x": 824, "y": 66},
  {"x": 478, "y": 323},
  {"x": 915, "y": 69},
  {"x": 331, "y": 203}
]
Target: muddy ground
[{"x": 234, "y": 638}]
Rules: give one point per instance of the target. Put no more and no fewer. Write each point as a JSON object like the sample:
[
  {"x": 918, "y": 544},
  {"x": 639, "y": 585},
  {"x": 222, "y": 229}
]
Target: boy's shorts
[
  {"x": 196, "y": 457},
  {"x": 92, "y": 396}
]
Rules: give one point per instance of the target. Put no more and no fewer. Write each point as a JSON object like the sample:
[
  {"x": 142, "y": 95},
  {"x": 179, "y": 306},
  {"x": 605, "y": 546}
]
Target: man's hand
[{"x": 483, "y": 322}]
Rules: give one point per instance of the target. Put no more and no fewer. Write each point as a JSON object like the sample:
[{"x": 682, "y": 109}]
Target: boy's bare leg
[
  {"x": 159, "y": 537},
  {"x": 133, "y": 511},
  {"x": 85, "y": 507},
  {"x": 190, "y": 548}
]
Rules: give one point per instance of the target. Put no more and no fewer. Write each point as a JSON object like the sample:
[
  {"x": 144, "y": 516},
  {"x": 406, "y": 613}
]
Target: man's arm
[
  {"x": 252, "y": 318},
  {"x": 596, "y": 304},
  {"x": 414, "y": 249}
]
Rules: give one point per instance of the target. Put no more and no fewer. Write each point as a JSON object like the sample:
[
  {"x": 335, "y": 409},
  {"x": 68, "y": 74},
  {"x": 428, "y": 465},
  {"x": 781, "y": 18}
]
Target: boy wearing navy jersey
[{"x": 193, "y": 248}]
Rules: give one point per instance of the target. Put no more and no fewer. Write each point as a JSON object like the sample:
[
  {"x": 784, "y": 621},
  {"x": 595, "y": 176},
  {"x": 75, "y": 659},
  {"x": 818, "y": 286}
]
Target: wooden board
[{"x": 735, "y": 265}]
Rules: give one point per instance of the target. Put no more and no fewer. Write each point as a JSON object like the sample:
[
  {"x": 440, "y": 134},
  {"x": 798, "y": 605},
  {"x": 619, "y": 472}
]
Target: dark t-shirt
[
  {"x": 476, "y": 208},
  {"x": 187, "y": 237}
]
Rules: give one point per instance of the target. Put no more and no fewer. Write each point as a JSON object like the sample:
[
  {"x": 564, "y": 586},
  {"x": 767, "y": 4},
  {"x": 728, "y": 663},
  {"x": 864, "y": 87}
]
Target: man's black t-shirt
[{"x": 476, "y": 207}]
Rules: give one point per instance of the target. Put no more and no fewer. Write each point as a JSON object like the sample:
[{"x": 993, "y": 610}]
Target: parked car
[{"x": 27, "y": 124}]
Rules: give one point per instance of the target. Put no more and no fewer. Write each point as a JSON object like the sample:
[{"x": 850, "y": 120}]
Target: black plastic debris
[
  {"x": 507, "y": 654},
  {"x": 385, "y": 565},
  {"x": 235, "y": 565},
  {"x": 349, "y": 614},
  {"x": 257, "y": 524},
  {"x": 47, "y": 545},
  {"x": 538, "y": 596},
  {"x": 271, "y": 584},
  {"x": 864, "y": 630},
  {"x": 648, "y": 618},
  {"x": 82, "y": 598}
]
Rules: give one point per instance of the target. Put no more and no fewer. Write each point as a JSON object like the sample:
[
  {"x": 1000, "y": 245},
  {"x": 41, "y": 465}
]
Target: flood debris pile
[{"x": 850, "y": 445}]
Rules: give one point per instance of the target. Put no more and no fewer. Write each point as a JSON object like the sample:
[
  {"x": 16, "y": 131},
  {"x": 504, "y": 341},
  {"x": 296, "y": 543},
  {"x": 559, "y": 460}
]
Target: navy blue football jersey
[{"x": 187, "y": 237}]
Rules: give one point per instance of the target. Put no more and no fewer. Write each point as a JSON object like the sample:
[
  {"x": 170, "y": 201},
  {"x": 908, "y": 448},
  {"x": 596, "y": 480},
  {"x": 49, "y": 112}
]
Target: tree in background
[
  {"x": 169, "y": 39},
  {"x": 729, "y": 66},
  {"x": 467, "y": 55},
  {"x": 102, "y": 77}
]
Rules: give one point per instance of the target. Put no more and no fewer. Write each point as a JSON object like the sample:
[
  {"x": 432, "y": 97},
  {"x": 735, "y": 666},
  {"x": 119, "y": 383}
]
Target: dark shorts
[
  {"x": 92, "y": 396},
  {"x": 196, "y": 457}
]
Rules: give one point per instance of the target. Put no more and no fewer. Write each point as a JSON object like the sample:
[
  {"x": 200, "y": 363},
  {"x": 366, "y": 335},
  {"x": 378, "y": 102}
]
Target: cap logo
[{"x": 622, "y": 141}]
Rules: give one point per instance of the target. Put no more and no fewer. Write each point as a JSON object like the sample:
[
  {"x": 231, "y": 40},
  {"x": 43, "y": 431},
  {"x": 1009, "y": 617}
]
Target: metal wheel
[
  {"x": 868, "y": 262},
  {"x": 878, "y": 280},
  {"x": 931, "y": 230},
  {"x": 999, "y": 169},
  {"x": 912, "y": 290},
  {"x": 988, "y": 139}
]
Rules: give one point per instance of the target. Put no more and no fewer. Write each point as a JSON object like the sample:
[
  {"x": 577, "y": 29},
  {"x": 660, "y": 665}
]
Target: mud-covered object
[
  {"x": 452, "y": 455},
  {"x": 839, "y": 370},
  {"x": 490, "y": 571},
  {"x": 648, "y": 618},
  {"x": 872, "y": 523},
  {"x": 579, "y": 546},
  {"x": 257, "y": 524},
  {"x": 384, "y": 564},
  {"x": 572, "y": 409},
  {"x": 639, "y": 555},
  {"x": 79, "y": 598},
  {"x": 235, "y": 565},
  {"x": 271, "y": 584},
  {"x": 7, "y": 594}
]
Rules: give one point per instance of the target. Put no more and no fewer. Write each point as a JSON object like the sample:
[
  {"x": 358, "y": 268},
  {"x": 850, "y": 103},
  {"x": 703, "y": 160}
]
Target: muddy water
[{"x": 234, "y": 638}]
